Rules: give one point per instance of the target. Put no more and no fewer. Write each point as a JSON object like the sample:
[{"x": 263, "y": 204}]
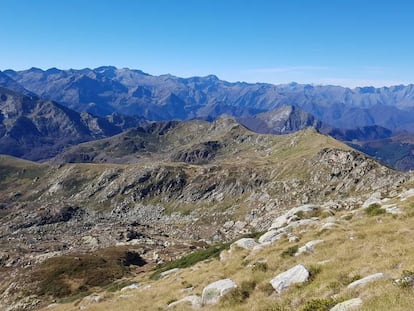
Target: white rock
[
  {"x": 405, "y": 195},
  {"x": 246, "y": 243},
  {"x": 271, "y": 236},
  {"x": 375, "y": 198},
  {"x": 297, "y": 274},
  {"x": 347, "y": 305},
  {"x": 193, "y": 300},
  {"x": 365, "y": 280},
  {"x": 132, "y": 286},
  {"x": 290, "y": 216},
  {"x": 169, "y": 272},
  {"x": 52, "y": 305},
  {"x": 301, "y": 222},
  {"x": 213, "y": 292},
  {"x": 392, "y": 209},
  {"x": 308, "y": 247}
]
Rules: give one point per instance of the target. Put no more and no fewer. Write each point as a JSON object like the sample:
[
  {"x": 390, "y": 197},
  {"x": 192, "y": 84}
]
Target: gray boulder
[
  {"x": 213, "y": 292},
  {"x": 271, "y": 236},
  {"x": 347, "y": 305},
  {"x": 297, "y": 274},
  {"x": 365, "y": 280}
]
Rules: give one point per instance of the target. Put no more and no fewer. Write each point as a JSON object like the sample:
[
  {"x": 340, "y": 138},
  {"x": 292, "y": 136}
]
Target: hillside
[{"x": 224, "y": 181}]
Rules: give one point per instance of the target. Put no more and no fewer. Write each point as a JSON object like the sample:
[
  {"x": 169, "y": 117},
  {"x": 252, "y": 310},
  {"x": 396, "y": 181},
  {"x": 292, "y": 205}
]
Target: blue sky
[{"x": 342, "y": 42}]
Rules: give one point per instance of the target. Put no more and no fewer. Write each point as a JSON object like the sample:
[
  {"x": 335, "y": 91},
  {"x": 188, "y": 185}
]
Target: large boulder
[
  {"x": 213, "y": 292},
  {"x": 347, "y": 305},
  {"x": 365, "y": 280},
  {"x": 271, "y": 236},
  {"x": 297, "y": 274}
]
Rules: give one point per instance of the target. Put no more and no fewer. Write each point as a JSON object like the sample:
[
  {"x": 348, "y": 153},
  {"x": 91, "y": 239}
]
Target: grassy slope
[{"x": 360, "y": 245}]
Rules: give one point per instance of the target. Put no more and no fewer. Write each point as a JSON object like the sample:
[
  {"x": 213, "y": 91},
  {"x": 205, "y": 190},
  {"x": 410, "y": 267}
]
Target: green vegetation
[
  {"x": 290, "y": 251},
  {"x": 239, "y": 294},
  {"x": 375, "y": 210},
  {"x": 406, "y": 280},
  {"x": 319, "y": 304},
  {"x": 192, "y": 258},
  {"x": 260, "y": 266}
]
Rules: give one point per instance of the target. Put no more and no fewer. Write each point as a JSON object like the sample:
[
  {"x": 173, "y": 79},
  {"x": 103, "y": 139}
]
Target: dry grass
[{"x": 357, "y": 248}]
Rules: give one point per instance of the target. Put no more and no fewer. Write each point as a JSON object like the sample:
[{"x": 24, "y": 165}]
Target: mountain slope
[
  {"x": 189, "y": 184},
  {"x": 36, "y": 129},
  {"x": 107, "y": 89},
  {"x": 283, "y": 120}
]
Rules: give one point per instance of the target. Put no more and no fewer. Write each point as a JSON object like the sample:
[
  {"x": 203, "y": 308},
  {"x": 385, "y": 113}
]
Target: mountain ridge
[{"x": 107, "y": 89}]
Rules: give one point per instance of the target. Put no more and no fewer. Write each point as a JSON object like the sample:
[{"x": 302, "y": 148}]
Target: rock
[
  {"x": 405, "y": 195},
  {"x": 213, "y": 292},
  {"x": 375, "y": 198},
  {"x": 94, "y": 298},
  {"x": 347, "y": 305},
  {"x": 193, "y": 300},
  {"x": 291, "y": 215},
  {"x": 169, "y": 272},
  {"x": 271, "y": 236},
  {"x": 132, "y": 286},
  {"x": 392, "y": 209},
  {"x": 365, "y": 280},
  {"x": 246, "y": 243},
  {"x": 52, "y": 305},
  {"x": 308, "y": 247},
  {"x": 297, "y": 274}
]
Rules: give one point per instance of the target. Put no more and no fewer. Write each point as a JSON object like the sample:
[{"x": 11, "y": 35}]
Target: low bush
[
  {"x": 239, "y": 294},
  {"x": 290, "y": 251},
  {"x": 319, "y": 304},
  {"x": 375, "y": 210}
]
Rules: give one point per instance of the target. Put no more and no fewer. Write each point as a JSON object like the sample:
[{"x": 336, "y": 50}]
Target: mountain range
[
  {"x": 55, "y": 109},
  {"x": 105, "y": 90}
]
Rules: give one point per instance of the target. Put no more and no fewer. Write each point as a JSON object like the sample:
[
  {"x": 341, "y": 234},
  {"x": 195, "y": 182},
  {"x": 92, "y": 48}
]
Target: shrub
[
  {"x": 239, "y": 294},
  {"x": 374, "y": 210},
  {"x": 319, "y": 304},
  {"x": 259, "y": 266},
  {"x": 406, "y": 280},
  {"x": 266, "y": 288},
  {"x": 313, "y": 272},
  {"x": 290, "y": 251}
]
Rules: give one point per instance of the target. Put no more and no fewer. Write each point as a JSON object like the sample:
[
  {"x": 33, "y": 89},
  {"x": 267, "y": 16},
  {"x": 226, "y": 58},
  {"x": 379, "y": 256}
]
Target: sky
[{"x": 340, "y": 42}]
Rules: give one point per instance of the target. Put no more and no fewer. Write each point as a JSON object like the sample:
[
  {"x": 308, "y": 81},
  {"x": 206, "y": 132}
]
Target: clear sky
[{"x": 342, "y": 42}]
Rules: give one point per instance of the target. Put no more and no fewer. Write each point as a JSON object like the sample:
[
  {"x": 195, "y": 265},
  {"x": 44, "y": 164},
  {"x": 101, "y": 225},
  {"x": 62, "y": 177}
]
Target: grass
[{"x": 358, "y": 248}]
